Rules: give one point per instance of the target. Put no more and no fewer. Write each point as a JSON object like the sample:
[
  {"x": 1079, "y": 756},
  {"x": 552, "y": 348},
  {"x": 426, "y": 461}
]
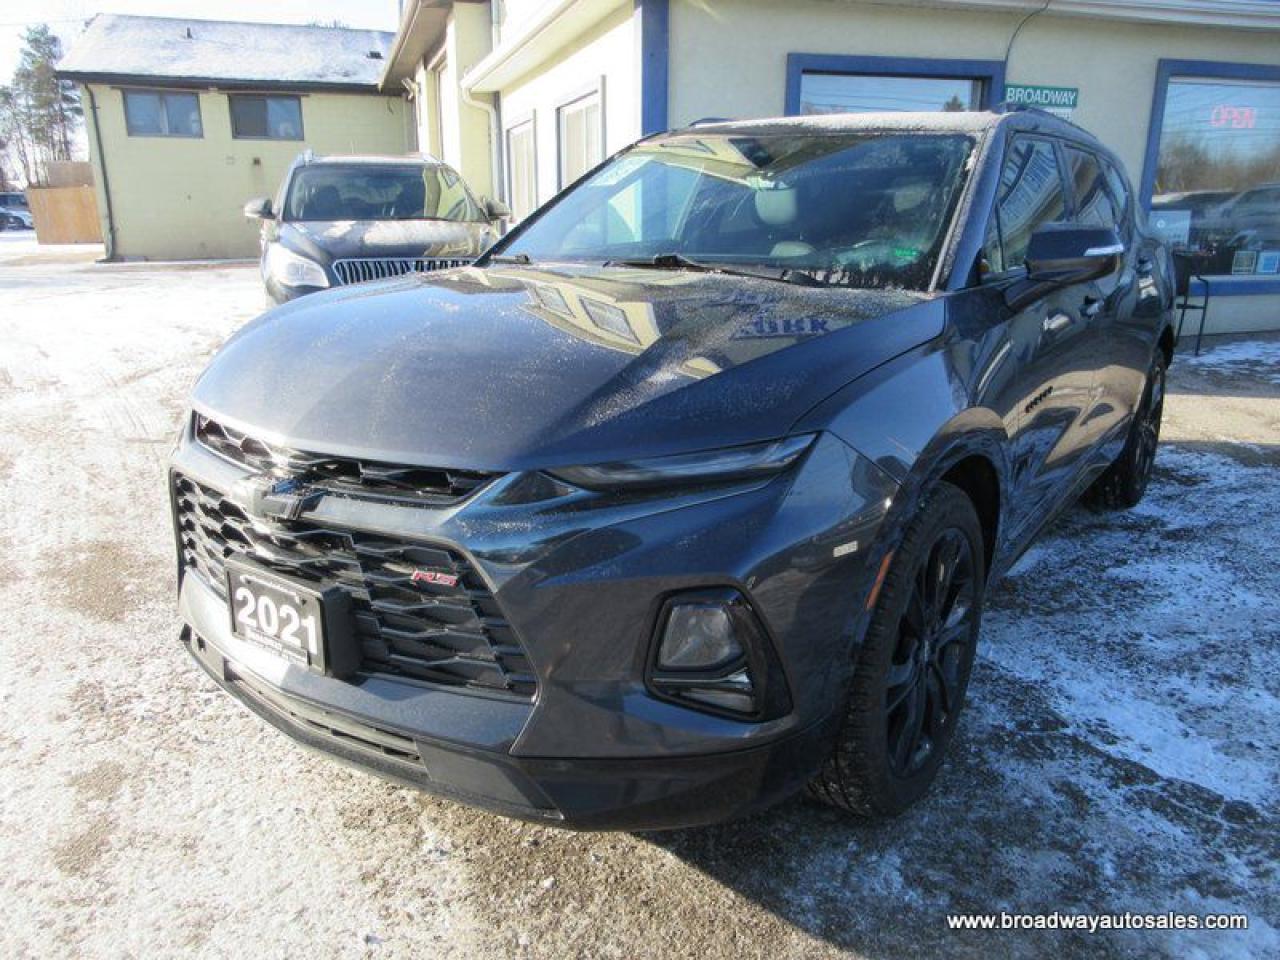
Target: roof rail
[{"x": 1006, "y": 107}]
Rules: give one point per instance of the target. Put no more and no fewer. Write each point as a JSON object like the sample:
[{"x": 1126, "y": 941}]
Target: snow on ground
[
  {"x": 1121, "y": 752},
  {"x": 1255, "y": 358}
]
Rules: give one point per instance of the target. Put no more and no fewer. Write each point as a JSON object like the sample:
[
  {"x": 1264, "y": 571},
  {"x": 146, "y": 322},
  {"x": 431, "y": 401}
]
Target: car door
[
  {"x": 1121, "y": 324},
  {"x": 1051, "y": 347}
]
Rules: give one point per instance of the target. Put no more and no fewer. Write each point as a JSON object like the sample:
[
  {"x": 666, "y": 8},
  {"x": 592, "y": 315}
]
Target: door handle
[
  {"x": 1056, "y": 322},
  {"x": 1092, "y": 306}
]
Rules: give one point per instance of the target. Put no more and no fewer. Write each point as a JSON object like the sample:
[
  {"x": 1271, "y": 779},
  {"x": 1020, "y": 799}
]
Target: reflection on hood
[{"x": 511, "y": 368}]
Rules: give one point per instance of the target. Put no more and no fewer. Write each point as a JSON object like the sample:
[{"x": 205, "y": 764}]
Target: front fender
[{"x": 914, "y": 417}]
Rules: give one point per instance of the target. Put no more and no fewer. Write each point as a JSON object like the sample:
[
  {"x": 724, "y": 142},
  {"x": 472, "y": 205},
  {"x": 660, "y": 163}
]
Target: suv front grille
[
  {"x": 453, "y": 635},
  {"x": 380, "y": 268},
  {"x": 338, "y": 474}
]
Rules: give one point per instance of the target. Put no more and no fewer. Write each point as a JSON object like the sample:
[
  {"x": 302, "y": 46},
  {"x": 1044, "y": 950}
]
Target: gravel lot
[{"x": 1121, "y": 751}]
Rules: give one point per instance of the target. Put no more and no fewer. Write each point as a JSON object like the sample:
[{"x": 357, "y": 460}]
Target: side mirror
[
  {"x": 1065, "y": 253},
  {"x": 496, "y": 210},
  {"x": 259, "y": 208}
]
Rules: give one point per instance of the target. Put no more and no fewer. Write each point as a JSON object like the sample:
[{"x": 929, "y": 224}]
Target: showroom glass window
[
  {"x": 152, "y": 113},
  {"x": 266, "y": 118},
  {"x": 581, "y": 136},
  {"x": 861, "y": 93},
  {"x": 1216, "y": 192},
  {"x": 522, "y": 171}
]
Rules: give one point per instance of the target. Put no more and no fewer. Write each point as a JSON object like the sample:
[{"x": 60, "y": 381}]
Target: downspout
[
  {"x": 495, "y": 132},
  {"x": 106, "y": 183},
  {"x": 495, "y": 145}
]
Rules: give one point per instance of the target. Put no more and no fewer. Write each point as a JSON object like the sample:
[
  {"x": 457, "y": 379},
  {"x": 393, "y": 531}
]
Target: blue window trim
[
  {"x": 1223, "y": 285},
  {"x": 655, "y": 44},
  {"x": 798, "y": 64}
]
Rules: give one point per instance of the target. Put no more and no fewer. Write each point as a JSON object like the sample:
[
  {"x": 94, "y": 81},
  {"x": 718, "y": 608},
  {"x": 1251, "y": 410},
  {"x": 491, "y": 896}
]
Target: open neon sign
[{"x": 1235, "y": 118}]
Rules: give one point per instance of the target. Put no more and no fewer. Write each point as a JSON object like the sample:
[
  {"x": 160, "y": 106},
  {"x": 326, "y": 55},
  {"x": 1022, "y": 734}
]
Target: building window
[
  {"x": 581, "y": 136},
  {"x": 820, "y": 83},
  {"x": 1215, "y": 191},
  {"x": 851, "y": 93},
  {"x": 149, "y": 113},
  {"x": 266, "y": 118},
  {"x": 522, "y": 171}
]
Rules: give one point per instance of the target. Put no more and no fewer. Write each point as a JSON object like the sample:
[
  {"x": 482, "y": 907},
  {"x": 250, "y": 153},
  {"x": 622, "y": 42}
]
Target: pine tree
[{"x": 39, "y": 112}]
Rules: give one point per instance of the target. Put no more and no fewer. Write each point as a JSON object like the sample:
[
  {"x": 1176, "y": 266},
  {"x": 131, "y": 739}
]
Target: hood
[
  {"x": 326, "y": 240},
  {"x": 507, "y": 369}
]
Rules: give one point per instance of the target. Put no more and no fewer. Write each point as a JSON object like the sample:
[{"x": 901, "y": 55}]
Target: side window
[
  {"x": 1030, "y": 194},
  {"x": 991, "y": 250},
  {"x": 1093, "y": 203},
  {"x": 1119, "y": 191}
]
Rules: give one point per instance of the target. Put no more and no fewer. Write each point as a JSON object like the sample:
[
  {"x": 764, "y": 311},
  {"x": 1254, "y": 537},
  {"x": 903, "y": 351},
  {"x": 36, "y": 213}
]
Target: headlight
[
  {"x": 293, "y": 270},
  {"x": 731, "y": 463}
]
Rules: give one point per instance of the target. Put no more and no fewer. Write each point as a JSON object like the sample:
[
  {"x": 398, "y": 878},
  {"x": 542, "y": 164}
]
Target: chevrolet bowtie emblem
[{"x": 282, "y": 499}]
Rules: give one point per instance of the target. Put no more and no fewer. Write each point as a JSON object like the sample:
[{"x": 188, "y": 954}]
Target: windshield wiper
[
  {"x": 510, "y": 258},
  {"x": 678, "y": 261}
]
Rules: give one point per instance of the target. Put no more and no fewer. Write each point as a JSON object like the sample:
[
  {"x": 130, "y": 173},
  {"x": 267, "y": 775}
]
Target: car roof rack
[{"x": 1004, "y": 106}]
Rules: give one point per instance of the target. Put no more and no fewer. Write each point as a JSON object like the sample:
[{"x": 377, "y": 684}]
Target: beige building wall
[
  {"x": 605, "y": 56},
  {"x": 179, "y": 198},
  {"x": 1113, "y": 63}
]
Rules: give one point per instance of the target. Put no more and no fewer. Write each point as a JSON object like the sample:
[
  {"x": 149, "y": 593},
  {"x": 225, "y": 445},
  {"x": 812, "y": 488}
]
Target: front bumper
[
  {"x": 582, "y": 794},
  {"x": 580, "y": 582}
]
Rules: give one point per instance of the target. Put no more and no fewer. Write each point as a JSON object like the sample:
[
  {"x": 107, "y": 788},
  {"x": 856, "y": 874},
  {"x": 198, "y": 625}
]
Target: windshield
[
  {"x": 334, "y": 191},
  {"x": 862, "y": 209}
]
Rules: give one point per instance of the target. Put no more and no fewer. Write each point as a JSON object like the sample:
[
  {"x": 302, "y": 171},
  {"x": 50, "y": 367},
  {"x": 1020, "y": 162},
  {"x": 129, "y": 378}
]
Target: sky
[{"x": 67, "y": 17}]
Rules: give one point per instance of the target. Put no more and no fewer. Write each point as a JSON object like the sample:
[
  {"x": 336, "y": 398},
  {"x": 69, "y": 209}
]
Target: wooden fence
[{"x": 65, "y": 214}]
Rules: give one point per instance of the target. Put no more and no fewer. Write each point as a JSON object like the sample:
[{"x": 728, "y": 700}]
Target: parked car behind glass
[
  {"x": 341, "y": 220},
  {"x": 688, "y": 493}
]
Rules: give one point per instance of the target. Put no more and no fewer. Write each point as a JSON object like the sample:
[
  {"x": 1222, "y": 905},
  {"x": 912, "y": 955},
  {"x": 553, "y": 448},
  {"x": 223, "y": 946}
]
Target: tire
[
  {"x": 900, "y": 669},
  {"x": 1125, "y": 481}
]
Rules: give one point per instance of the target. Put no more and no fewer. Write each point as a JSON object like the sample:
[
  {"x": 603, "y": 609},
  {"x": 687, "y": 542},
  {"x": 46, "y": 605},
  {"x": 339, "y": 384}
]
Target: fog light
[
  {"x": 699, "y": 636},
  {"x": 711, "y": 652}
]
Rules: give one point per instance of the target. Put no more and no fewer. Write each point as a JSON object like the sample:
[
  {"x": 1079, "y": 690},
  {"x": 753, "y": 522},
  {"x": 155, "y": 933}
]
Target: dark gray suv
[
  {"x": 349, "y": 219},
  {"x": 689, "y": 493}
]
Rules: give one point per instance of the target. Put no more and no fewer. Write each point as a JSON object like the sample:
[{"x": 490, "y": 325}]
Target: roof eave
[
  {"x": 547, "y": 31},
  {"x": 220, "y": 83},
  {"x": 421, "y": 28}
]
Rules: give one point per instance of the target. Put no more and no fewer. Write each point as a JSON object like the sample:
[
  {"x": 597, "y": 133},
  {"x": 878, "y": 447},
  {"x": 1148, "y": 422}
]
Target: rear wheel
[
  {"x": 913, "y": 667},
  {"x": 1125, "y": 481}
]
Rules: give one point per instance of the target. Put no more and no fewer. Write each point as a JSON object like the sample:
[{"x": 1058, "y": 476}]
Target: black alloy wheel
[
  {"x": 912, "y": 669},
  {"x": 936, "y": 639},
  {"x": 1125, "y": 481}
]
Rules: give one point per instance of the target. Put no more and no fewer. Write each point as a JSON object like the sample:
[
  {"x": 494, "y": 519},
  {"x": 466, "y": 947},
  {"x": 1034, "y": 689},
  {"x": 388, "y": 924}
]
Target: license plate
[{"x": 296, "y": 621}]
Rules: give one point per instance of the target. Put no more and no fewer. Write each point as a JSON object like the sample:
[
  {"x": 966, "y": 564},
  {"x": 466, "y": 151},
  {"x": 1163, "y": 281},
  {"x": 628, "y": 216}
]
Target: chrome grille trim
[{"x": 364, "y": 269}]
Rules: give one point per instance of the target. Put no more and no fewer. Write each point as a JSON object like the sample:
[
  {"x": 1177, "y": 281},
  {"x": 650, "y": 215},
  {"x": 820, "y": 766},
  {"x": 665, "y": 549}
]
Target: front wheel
[
  {"x": 1125, "y": 481},
  {"x": 913, "y": 666}
]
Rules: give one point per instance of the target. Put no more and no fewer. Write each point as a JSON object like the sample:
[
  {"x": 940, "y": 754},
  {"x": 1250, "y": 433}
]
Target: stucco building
[
  {"x": 188, "y": 119},
  {"x": 523, "y": 96}
]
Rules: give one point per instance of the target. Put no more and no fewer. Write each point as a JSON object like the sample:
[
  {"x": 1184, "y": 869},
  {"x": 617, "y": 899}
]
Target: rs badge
[{"x": 431, "y": 576}]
